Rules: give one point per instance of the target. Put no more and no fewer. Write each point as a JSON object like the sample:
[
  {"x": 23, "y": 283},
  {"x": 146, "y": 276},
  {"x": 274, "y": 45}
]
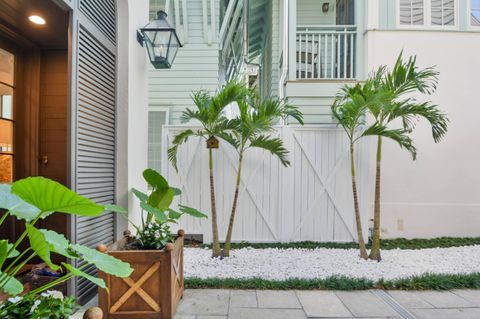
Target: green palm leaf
[{"x": 273, "y": 145}]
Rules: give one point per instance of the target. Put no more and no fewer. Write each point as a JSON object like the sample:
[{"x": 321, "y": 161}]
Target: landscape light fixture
[{"x": 161, "y": 41}]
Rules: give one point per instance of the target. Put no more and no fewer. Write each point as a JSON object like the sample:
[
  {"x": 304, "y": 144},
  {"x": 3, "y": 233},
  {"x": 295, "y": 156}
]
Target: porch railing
[{"x": 326, "y": 52}]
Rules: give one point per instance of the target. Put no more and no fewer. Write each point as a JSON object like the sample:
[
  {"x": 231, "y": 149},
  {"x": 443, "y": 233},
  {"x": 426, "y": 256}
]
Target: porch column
[
  {"x": 292, "y": 39},
  {"x": 132, "y": 113}
]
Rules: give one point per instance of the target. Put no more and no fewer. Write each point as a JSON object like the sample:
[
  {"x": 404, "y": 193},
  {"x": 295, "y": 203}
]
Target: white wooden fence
[{"x": 310, "y": 200}]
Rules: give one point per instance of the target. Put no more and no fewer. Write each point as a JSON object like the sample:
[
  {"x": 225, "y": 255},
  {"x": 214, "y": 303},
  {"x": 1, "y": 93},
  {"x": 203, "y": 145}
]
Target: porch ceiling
[
  {"x": 257, "y": 28},
  {"x": 14, "y": 18}
]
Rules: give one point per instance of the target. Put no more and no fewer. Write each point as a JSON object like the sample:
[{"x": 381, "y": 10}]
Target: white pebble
[{"x": 281, "y": 264}]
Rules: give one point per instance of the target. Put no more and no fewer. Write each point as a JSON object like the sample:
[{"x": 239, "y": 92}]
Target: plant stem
[
  {"x": 5, "y": 215},
  {"x": 17, "y": 259},
  {"x": 19, "y": 267},
  {"x": 375, "y": 251},
  {"x": 358, "y": 219},
  {"x": 216, "y": 244},
  {"x": 51, "y": 284},
  {"x": 228, "y": 240},
  {"x": 24, "y": 234},
  {"x": 4, "y": 281}
]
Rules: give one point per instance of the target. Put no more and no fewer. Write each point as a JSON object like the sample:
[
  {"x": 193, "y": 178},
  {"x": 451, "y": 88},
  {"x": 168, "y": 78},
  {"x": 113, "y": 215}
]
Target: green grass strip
[
  {"x": 425, "y": 282},
  {"x": 400, "y": 243}
]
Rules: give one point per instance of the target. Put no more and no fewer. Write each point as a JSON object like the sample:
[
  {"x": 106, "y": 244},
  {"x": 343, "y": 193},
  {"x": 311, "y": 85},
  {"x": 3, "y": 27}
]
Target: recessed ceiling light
[{"x": 37, "y": 19}]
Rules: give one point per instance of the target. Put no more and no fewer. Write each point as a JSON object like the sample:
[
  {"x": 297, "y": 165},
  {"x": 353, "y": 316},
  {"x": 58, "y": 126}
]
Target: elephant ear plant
[
  {"x": 35, "y": 198},
  {"x": 155, "y": 233}
]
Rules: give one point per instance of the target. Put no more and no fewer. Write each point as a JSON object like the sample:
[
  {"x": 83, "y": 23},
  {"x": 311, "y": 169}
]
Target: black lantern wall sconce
[{"x": 161, "y": 40}]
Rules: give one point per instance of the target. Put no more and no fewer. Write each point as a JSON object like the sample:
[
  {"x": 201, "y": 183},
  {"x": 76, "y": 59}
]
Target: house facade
[{"x": 306, "y": 50}]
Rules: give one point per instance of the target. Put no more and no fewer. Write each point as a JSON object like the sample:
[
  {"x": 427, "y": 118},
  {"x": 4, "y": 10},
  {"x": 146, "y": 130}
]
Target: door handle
[{"x": 44, "y": 159}]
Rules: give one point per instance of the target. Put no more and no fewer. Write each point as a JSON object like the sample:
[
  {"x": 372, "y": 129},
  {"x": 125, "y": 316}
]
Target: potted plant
[
  {"x": 30, "y": 200},
  {"x": 156, "y": 254}
]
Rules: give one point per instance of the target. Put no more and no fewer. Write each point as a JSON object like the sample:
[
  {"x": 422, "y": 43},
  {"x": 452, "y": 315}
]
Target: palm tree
[
  {"x": 250, "y": 130},
  {"x": 404, "y": 79},
  {"x": 209, "y": 113},
  {"x": 350, "y": 110}
]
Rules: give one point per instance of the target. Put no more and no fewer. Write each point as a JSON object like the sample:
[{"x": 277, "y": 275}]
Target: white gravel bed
[{"x": 281, "y": 264}]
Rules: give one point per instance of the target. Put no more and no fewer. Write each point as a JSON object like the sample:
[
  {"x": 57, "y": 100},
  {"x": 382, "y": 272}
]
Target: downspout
[{"x": 283, "y": 76}]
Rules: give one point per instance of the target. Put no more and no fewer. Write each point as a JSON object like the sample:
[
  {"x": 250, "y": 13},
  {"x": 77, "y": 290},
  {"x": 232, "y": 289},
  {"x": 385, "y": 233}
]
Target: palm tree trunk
[
  {"x": 228, "y": 240},
  {"x": 358, "y": 219},
  {"x": 216, "y": 244},
  {"x": 375, "y": 252}
]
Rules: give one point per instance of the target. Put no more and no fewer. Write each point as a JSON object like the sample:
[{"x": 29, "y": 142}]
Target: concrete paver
[
  {"x": 465, "y": 313},
  {"x": 471, "y": 295},
  {"x": 409, "y": 299},
  {"x": 322, "y": 304},
  {"x": 365, "y": 304},
  {"x": 243, "y": 299},
  {"x": 444, "y": 299},
  {"x": 205, "y": 302},
  {"x": 262, "y": 313},
  {"x": 278, "y": 299}
]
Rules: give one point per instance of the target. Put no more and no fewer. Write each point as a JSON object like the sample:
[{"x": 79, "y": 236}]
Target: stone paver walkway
[
  {"x": 265, "y": 304},
  {"x": 268, "y": 304}
]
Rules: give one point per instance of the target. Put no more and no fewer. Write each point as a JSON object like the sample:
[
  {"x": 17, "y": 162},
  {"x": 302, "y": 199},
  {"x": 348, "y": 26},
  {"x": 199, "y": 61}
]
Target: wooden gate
[{"x": 310, "y": 200}]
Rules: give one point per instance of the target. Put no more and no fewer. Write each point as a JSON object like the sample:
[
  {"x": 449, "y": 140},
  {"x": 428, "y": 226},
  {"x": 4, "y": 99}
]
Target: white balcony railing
[{"x": 325, "y": 52}]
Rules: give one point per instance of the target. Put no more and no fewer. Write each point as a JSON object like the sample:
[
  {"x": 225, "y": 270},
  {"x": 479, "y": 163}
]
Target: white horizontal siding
[
  {"x": 310, "y": 12},
  {"x": 195, "y": 67}
]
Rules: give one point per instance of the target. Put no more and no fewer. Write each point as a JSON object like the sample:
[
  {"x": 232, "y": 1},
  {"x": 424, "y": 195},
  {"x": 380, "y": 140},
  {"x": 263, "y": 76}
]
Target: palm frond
[
  {"x": 272, "y": 144},
  {"x": 229, "y": 138},
  {"x": 410, "y": 112},
  {"x": 406, "y": 77},
  {"x": 179, "y": 139},
  {"x": 231, "y": 92},
  {"x": 398, "y": 135}
]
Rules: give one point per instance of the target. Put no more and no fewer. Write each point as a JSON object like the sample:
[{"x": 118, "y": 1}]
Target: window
[
  {"x": 157, "y": 117},
  {"x": 434, "y": 13},
  {"x": 7, "y": 67},
  {"x": 443, "y": 12},
  {"x": 475, "y": 13},
  {"x": 412, "y": 12}
]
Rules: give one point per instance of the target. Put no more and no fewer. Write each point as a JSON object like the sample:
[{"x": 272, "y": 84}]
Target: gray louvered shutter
[{"x": 93, "y": 125}]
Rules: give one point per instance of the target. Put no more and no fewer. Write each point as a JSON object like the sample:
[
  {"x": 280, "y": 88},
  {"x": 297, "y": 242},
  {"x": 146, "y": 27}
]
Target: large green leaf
[
  {"x": 58, "y": 243},
  {"x": 173, "y": 214},
  {"x": 191, "y": 211},
  {"x": 104, "y": 262},
  {"x": 154, "y": 179},
  {"x": 161, "y": 198},
  {"x": 15, "y": 205},
  {"x": 158, "y": 214},
  {"x": 50, "y": 196},
  {"x": 77, "y": 272},
  {"x": 12, "y": 287},
  {"x": 39, "y": 244},
  {"x": 115, "y": 208},
  {"x": 140, "y": 195}
]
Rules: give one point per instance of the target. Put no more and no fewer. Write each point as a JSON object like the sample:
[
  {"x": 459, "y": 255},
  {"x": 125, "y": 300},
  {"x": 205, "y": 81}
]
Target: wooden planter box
[{"x": 154, "y": 289}]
